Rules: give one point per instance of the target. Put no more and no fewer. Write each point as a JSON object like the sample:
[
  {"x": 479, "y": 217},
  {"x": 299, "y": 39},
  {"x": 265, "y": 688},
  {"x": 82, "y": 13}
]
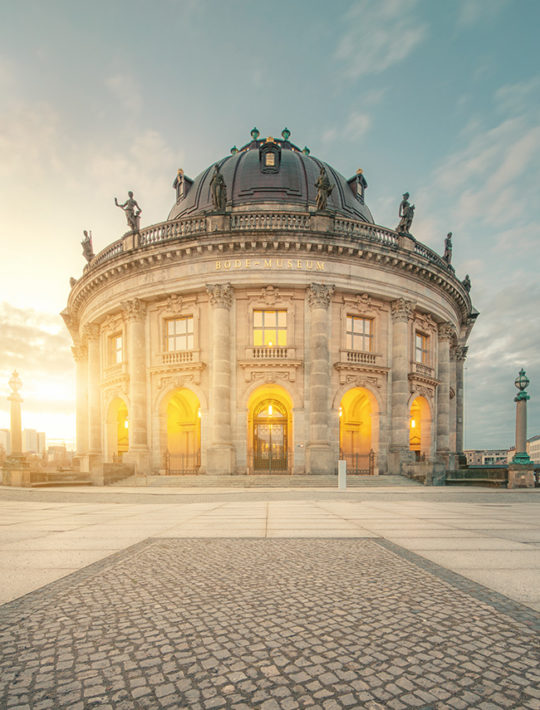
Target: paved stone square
[{"x": 267, "y": 623}]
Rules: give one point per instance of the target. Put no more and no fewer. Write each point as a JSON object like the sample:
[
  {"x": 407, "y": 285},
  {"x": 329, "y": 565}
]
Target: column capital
[
  {"x": 135, "y": 309},
  {"x": 461, "y": 352},
  {"x": 446, "y": 331},
  {"x": 320, "y": 295},
  {"x": 80, "y": 353},
  {"x": 402, "y": 310},
  {"x": 91, "y": 331},
  {"x": 220, "y": 294}
]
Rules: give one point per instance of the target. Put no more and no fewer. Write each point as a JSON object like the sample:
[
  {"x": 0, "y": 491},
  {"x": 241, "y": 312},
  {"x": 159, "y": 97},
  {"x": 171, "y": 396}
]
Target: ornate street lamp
[{"x": 521, "y": 382}]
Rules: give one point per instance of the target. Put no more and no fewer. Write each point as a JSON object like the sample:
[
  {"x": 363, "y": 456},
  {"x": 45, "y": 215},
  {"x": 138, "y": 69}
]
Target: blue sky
[{"x": 436, "y": 97}]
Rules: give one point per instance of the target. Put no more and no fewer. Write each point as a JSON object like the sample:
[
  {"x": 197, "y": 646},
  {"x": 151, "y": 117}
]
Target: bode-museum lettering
[{"x": 298, "y": 264}]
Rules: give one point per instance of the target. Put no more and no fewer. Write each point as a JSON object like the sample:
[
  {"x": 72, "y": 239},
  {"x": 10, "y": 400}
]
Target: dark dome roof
[{"x": 289, "y": 183}]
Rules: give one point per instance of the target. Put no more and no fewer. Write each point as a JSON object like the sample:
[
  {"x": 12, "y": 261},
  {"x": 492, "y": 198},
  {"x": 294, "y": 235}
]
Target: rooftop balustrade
[{"x": 282, "y": 222}]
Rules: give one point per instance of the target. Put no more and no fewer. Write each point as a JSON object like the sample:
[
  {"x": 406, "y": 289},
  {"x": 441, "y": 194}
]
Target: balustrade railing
[
  {"x": 272, "y": 353},
  {"x": 360, "y": 357},
  {"x": 177, "y": 357},
  {"x": 268, "y": 221},
  {"x": 421, "y": 369}
]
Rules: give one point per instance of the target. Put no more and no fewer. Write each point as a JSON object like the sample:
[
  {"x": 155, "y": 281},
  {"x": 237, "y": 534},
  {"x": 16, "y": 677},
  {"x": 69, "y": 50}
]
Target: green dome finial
[
  {"x": 306, "y": 150},
  {"x": 255, "y": 133},
  {"x": 285, "y": 134}
]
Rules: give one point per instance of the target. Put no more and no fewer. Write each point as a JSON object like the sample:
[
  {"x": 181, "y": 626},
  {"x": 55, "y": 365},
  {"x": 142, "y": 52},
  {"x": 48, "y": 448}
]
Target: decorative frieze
[
  {"x": 402, "y": 310},
  {"x": 425, "y": 322},
  {"x": 91, "y": 331},
  {"x": 221, "y": 295},
  {"x": 320, "y": 295}
]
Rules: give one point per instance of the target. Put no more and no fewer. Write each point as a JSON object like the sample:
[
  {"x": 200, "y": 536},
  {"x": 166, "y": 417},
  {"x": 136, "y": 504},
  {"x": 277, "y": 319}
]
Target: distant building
[
  {"x": 486, "y": 457},
  {"x": 34, "y": 442},
  {"x": 5, "y": 441},
  {"x": 533, "y": 448}
]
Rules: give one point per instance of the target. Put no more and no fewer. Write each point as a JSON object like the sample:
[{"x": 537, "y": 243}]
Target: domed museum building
[{"x": 268, "y": 325}]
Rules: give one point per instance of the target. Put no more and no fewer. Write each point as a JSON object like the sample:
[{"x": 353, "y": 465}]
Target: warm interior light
[
  {"x": 270, "y": 410},
  {"x": 126, "y": 424},
  {"x": 341, "y": 411},
  {"x": 270, "y": 344},
  {"x": 413, "y": 423},
  {"x": 199, "y": 412}
]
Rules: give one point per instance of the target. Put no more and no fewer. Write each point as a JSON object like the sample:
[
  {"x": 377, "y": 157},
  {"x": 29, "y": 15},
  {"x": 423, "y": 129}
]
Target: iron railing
[{"x": 182, "y": 464}]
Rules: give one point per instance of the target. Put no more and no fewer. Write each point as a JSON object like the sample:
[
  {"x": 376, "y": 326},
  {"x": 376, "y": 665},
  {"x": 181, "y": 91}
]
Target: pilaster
[
  {"x": 319, "y": 458},
  {"x": 220, "y": 452},
  {"x": 446, "y": 335}
]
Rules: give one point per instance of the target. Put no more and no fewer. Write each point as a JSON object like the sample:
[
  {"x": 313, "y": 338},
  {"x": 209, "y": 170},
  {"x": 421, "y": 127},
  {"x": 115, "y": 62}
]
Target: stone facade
[{"x": 268, "y": 336}]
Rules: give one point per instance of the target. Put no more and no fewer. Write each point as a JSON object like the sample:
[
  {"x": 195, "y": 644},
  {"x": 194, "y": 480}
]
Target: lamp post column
[
  {"x": 521, "y": 470},
  {"x": 446, "y": 335},
  {"x": 319, "y": 458},
  {"x": 138, "y": 453},
  {"x": 402, "y": 312},
  {"x": 220, "y": 454},
  {"x": 80, "y": 355}
]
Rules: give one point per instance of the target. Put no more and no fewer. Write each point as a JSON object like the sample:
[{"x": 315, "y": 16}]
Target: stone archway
[
  {"x": 270, "y": 431},
  {"x": 420, "y": 428},
  {"x": 358, "y": 437},
  {"x": 117, "y": 430},
  {"x": 182, "y": 435}
]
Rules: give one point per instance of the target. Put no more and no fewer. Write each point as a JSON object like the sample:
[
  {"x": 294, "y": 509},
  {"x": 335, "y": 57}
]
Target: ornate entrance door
[{"x": 270, "y": 438}]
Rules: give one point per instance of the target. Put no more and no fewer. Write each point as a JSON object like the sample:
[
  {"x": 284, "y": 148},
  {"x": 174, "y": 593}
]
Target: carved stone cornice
[
  {"x": 320, "y": 295},
  {"x": 425, "y": 322},
  {"x": 447, "y": 332},
  {"x": 416, "y": 379},
  {"x": 173, "y": 304},
  {"x": 221, "y": 295},
  {"x": 402, "y": 310},
  {"x": 135, "y": 309},
  {"x": 356, "y": 373},
  {"x": 80, "y": 353},
  {"x": 461, "y": 352},
  {"x": 286, "y": 370}
]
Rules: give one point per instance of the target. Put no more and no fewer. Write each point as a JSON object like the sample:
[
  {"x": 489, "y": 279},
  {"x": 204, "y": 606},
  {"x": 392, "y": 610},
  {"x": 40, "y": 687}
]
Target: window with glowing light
[
  {"x": 116, "y": 349},
  {"x": 179, "y": 334},
  {"x": 359, "y": 334},
  {"x": 421, "y": 348},
  {"x": 269, "y": 329},
  {"x": 270, "y": 159}
]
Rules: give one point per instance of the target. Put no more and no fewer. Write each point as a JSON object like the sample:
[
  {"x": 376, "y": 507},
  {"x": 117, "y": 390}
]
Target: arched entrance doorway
[
  {"x": 117, "y": 430},
  {"x": 270, "y": 430},
  {"x": 420, "y": 428},
  {"x": 357, "y": 440},
  {"x": 183, "y": 422}
]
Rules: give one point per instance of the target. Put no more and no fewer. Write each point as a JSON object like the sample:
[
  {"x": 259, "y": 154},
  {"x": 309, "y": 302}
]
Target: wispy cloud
[
  {"x": 126, "y": 90},
  {"x": 473, "y": 12},
  {"x": 379, "y": 35}
]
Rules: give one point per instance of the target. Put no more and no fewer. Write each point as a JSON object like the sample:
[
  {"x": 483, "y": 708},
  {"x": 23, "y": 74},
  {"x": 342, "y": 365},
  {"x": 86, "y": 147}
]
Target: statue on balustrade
[
  {"x": 324, "y": 190},
  {"x": 466, "y": 283},
  {"x": 132, "y": 211},
  {"x": 218, "y": 189},
  {"x": 406, "y": 214},
  {"x": 88, "y": 250},
  {"x": 447, "y": 256}
]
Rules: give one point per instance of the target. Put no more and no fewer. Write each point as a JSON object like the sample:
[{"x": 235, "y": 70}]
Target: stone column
[
  {"x": 446, "y": 335},
  {"x": 93, "y": 462},
  {"x": 80, "y": 355},
  {"x": 452, "y": 404},
  {"x": 319, "y": 458},
  {"x": 402, "y": 312},
  {"x": 220, "y": 452},
  {"x": 138, "y": 453},
  {"x": 461, "y": 355}
]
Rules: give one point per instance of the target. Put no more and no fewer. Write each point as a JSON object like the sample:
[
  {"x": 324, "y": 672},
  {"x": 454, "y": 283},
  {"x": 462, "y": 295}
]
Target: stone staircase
[{"x": 262, "y": 481}]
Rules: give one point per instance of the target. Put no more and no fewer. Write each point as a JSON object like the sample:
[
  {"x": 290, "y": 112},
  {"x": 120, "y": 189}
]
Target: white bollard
[{"x": 342, "y": 475}]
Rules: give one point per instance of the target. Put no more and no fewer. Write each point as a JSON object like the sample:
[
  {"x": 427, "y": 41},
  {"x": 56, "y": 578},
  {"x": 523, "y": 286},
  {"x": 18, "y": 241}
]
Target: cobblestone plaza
[{"x": 269, "y": 599}]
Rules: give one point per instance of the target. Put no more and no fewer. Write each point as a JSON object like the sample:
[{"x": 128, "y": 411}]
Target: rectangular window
[
  {"x": 421, "y": 342},
  {"x": 359, "y": 334},
  {"x": 116, "y": 349},
  {"x": 270, "y": 329},
  {"x": 179, "y": 334},
  {"x": 270, "y": 159}
]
